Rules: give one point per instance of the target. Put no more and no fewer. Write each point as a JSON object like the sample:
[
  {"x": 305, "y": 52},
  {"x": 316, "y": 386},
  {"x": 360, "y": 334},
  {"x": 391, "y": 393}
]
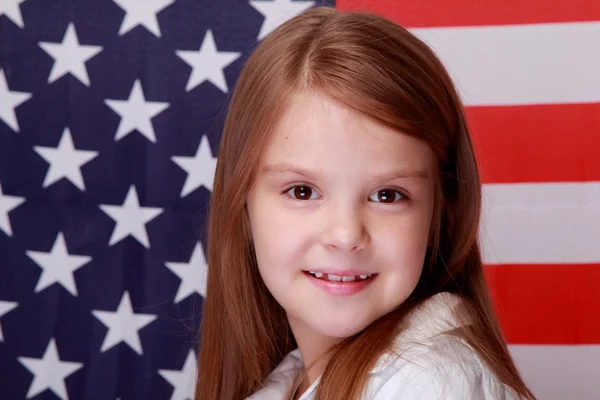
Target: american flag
[{"x": 110, "y": 120}]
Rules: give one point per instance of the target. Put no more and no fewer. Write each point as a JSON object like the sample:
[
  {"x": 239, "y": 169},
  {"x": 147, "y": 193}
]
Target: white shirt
[{"x": 432, "y": 366}]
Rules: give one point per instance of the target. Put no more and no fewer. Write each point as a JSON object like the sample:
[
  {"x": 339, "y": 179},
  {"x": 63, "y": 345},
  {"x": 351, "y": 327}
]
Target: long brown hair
[{"x": 380, "y": 69}]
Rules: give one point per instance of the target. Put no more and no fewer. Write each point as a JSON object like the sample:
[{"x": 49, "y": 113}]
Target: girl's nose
[{"x": 344, "y": 230}]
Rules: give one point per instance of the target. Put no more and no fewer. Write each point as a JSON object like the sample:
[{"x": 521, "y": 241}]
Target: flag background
[{"x": 110, "y": 119}]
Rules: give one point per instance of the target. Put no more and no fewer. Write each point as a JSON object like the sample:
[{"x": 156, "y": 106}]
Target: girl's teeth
[{"x": 338, "y": 278}]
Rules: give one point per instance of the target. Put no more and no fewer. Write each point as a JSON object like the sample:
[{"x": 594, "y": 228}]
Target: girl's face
[{"x": 342, "y": 196}]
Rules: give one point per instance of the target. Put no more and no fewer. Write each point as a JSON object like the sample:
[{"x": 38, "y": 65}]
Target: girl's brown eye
[
  {"x": 386, "y": 196},
  {"x": 302, "y": 192}
]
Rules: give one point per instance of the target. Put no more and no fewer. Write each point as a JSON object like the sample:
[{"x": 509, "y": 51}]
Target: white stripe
[
  {"x": 521, "y": 64},
  {"x": 547, "y": 223},
  {"x": 560, "y": 372}
]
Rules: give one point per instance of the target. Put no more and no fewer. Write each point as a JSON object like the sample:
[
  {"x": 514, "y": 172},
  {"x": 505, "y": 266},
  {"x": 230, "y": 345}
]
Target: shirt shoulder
[
  {"x": 428, "y": 361},
  {"x": 446, "y": 368}
]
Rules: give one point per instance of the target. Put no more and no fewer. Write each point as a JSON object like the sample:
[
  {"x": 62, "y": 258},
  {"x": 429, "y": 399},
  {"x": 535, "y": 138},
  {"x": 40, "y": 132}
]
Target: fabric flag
[{"x": 111, "y": 113}]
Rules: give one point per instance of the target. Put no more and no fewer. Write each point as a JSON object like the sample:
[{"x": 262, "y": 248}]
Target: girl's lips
[
  {"x": 343, "y": 272},
  {"x": 341, "y": 288}
]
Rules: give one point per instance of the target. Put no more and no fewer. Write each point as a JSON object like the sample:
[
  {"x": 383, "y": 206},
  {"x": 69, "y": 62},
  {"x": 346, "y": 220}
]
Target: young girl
[{"x": 343, "y": 254}]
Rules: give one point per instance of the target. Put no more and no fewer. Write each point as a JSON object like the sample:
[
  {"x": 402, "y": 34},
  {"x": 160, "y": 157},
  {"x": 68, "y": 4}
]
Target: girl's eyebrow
[
  {"x": 283, "y": 167},
  {"x": 401, "y": 173}
]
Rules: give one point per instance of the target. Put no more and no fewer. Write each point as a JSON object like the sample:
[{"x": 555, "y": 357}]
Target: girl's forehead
[
  {"x": 315, "y": 128},
  {"x": 313, "y": 109}
]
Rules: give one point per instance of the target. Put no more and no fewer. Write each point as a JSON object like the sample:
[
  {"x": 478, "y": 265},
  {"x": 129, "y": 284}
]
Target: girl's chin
[
  {"x": 339, "y": 329},
  {"x": 320, "y": 324}
]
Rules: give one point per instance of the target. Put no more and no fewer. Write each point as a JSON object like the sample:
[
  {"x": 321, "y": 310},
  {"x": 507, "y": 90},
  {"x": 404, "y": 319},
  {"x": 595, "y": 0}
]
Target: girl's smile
[{"x": 342, "y": 283}]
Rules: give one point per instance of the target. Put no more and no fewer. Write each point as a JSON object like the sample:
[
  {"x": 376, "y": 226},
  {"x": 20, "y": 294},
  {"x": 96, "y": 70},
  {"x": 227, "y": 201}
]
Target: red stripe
[
  {"x": 547, "y": 304},
  {"x": 540, "y": 143},
  {"x": 424, "y": 13}
]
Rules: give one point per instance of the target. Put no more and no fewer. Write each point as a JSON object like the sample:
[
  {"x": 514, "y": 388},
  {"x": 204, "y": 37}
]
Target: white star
[
  {"x": 277, "y": 12},
  {"x": 58, "y": 266},
  {"x": 49, "y": 372},
  {"x": 7, "y": 204},
  {"x": 123, "y": 325},
  {"x": 131, "y": 218},
  {"x": 208, "y": 63},
  {"x": 142, "y": 12},
  {"x": 70, "y": 56},
  {"x": 136, "y": 113},
  {"x": 12, "y": 11},
  {"x": 200, "y": 168},
  {"x": 65, "y": 161},
  {"x": 192, "y": 274},
  {"x": 6, "y": 307},
  {"x": 9, "y": 101},
  {"x": 183, "y": 381}
]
